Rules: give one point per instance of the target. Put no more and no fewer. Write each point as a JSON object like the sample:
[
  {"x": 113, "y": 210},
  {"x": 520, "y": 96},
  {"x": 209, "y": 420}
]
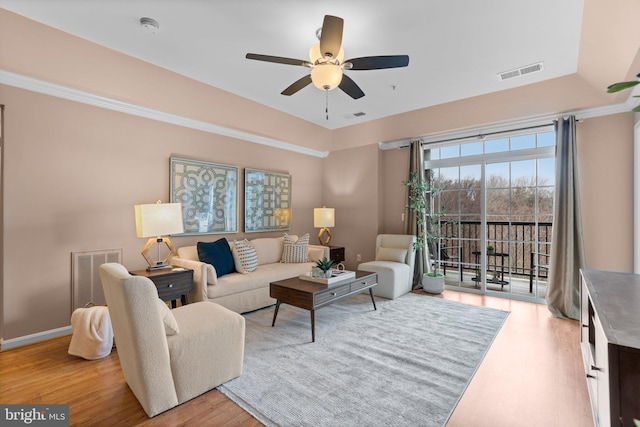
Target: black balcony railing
[{"x": 523, "y": 242}]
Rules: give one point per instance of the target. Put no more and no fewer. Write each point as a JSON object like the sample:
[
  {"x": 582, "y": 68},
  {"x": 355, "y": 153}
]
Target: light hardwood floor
[{"x": 531, "y": 376}]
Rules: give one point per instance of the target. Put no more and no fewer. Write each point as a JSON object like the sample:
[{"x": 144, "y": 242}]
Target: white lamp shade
[
  {"x": 158, "y": 219},
  {"x": 326, "y": 76},
  {"x": 324, "y": 217}
]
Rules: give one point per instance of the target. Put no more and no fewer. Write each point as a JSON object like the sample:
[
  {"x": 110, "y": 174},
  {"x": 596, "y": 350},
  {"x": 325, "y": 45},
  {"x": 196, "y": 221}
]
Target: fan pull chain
[{"x": 326, "y": 107}]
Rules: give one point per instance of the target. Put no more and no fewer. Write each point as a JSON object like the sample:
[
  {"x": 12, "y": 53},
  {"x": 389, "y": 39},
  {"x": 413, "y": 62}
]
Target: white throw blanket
[{"x": 92, "y": 333}]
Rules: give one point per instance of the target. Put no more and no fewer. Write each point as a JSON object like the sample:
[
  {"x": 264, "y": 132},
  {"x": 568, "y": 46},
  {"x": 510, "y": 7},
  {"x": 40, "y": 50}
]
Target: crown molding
[
  {"x": 584, "y": 114},
  {"x": 59, "y": 91}
]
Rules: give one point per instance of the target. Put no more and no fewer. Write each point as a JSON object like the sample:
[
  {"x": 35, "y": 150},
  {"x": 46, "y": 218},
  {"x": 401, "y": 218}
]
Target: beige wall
[
  {"x": 73, "y": 172},
  {"x": 605, "y": 157},
  {"x": 351, "y": 187},
  {"x": 72, "y": 176}
]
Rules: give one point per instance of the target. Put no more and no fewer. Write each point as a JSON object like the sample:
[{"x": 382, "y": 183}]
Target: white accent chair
[
  {"x": 395, "y": 258},
  {"x": 169, "y": 356}
]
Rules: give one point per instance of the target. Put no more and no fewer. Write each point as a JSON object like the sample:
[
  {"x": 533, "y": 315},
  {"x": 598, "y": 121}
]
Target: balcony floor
[{"x": 519, "y": 285}]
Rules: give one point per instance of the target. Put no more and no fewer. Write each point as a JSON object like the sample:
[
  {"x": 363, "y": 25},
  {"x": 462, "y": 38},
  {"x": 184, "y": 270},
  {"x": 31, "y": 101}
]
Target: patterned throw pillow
[
  {"x": 244, "y": 256},
  {"x": 295, "y": 250}
]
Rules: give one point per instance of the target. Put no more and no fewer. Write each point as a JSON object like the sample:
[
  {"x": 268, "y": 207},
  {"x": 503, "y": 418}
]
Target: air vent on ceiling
[
  {"x": 533, "y": 68},
  {"x": 352, "y": 115}
]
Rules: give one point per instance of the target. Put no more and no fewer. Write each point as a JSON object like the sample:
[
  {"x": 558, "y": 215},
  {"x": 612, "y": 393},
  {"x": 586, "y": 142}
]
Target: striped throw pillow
[
  {"x": 295, "y": 251},
  {"x": 244, "y": 256}
]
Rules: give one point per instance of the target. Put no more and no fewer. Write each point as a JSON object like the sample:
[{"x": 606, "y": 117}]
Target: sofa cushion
[
  {"x": 188, "y": 252},
  {"x": 295, "y": 250},
  {"x": 168, "y": 320},
  {"x": 391, "y": 254},
  {"x": 269, "y": 249},
  {"x": 236, "y": 283},
  {"x": 218, "y": 254},
  {"x": 245, "y": 257}
]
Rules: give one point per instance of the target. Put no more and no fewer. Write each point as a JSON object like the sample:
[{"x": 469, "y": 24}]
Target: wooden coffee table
[{"x": 312, "y": 296}]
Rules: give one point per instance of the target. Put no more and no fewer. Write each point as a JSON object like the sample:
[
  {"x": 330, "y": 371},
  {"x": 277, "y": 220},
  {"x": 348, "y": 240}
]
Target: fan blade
[
  {"x": 378, "y": 62},
  {"x": 331, "y": 36},
  {"x": 278, "y": 59},
  {"x": 299, "y": 84},
  {"x": 350, "y": 87}
]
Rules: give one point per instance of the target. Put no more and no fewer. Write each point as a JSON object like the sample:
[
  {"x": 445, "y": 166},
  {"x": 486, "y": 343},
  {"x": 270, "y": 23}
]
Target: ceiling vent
[
  {"x": 358, "y": 114},
  {"x": 533, "y": 68}
]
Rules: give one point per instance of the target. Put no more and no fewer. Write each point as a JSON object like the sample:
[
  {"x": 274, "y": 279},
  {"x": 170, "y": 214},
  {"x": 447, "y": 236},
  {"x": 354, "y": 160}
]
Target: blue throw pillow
[{"x": 218, "y": 254}]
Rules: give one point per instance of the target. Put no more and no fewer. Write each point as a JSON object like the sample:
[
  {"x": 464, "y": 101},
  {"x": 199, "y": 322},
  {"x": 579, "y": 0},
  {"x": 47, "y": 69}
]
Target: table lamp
[
  {"x": 157, "y": 221},
  {"x": 324, "y": 218}
]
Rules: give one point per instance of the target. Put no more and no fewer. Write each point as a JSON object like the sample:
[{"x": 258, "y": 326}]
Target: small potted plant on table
[{"x": 324, "y": 266}]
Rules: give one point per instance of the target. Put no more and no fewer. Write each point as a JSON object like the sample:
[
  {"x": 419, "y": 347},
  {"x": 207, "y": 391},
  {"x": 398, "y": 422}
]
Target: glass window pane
[
  {"x": 523, "y": 202},
  {"x": 498, "y": 201},
  {"x": 470, "y": 176},
  {"x": 496, "y": 145},
  {"x": 497, "y": 175},
  {"x": 471, "y": 148},
  {"x": 432, "y": 154},
  {"x": 523, "y": 173},
  {"x": 470, "y": 202},
  {"x": 450, "y": 151},
  {"x": 547, "y": 139},
  {"x": 448, "y": 177},
  {"x": 449, "y": 202},
  {"x": 546, "y": 171},
  {"x": 523, "y": 141},
  {"x": 545, "y": 200}
]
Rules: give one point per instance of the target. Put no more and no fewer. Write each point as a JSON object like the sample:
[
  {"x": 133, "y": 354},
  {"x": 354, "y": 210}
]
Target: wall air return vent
[
  {"x": 533, "y": 68},
  {"x": 85, "y": 278}
]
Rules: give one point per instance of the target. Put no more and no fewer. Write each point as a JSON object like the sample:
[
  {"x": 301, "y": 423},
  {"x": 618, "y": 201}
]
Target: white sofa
[{"x": 244, "y": 292}]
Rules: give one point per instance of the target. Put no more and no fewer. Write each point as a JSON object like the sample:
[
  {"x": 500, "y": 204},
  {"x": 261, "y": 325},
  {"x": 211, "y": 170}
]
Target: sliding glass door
[{"x": 497, "y": 195}]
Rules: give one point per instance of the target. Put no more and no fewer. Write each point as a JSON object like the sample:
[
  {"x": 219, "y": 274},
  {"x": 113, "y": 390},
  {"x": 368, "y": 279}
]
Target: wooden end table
[
  {"x": 172, "y": 284},
  {"x": 313, "y": 296}
]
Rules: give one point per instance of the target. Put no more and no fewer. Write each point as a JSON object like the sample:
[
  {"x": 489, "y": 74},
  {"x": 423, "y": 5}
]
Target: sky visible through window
[{"x": 546, "y": 167}]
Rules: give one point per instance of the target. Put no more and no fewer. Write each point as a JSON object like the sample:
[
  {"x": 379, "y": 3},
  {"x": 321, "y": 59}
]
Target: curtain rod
[
  {"x": 483, "y": 135},
  {"x": 580, "y": 115}
]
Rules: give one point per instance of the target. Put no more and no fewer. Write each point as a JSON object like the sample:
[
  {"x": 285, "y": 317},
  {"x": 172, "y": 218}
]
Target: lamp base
[
  {"x": 324, "y": 236},
  {"x": 158, "y": 267},
  {"x": 160, "y": 264}
]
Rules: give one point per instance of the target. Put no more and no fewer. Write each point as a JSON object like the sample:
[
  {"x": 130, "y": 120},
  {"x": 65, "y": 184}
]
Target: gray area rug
[{"x": 406, "y": 364}]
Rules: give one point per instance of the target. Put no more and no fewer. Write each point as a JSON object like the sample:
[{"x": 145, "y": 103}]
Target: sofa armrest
[
  {"x": 203, "y": 275},
  {"x": 315, "y": 249}
]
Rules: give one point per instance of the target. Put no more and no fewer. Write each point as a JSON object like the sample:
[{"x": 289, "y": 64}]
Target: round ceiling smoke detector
[{"x": 150, "y": 25}]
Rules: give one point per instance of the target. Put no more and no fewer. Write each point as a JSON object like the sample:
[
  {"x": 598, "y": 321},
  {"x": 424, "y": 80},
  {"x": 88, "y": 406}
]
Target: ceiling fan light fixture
[
  {"x": 326, "y": 76},
  {"x": 316, "y": 56}
]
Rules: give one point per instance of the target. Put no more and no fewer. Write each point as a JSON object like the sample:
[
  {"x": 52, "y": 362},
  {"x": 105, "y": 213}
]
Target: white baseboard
[{"x": 33, "y": 338}]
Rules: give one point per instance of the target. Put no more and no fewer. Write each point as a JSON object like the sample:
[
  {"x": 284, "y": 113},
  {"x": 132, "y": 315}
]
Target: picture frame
[
  {"x": 208, "y": 193},
  {"x": 267, "y": 201}
]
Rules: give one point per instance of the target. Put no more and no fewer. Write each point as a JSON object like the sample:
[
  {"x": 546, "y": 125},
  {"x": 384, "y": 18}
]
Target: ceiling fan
[{"x": 326, "y": 60}]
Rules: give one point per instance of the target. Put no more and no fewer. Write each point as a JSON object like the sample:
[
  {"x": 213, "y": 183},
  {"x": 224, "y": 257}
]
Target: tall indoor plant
[{"x": 422, "y": 197}]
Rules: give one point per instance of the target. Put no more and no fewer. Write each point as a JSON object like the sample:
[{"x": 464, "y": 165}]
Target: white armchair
[
  {"x": 394, "y": 263},
  {"x": 169, "y": 356}
]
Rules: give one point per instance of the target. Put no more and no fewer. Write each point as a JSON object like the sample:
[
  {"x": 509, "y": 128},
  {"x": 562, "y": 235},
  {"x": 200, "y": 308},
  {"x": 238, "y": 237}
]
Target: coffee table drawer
[
  {"x": 364, "y": 282},
  {"x": 331, "y": 293}
]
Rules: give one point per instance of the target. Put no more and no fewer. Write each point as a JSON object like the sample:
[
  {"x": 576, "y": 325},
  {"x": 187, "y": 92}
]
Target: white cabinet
[{"x": 610, "y": 341}]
